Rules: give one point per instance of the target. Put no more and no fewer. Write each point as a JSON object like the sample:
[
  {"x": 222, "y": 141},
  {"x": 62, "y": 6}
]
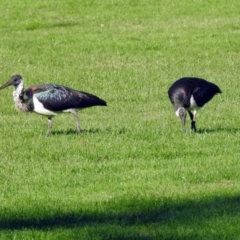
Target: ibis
[
  {"x": 51, "y": 99},
  {"x": 189, "y": 94}
]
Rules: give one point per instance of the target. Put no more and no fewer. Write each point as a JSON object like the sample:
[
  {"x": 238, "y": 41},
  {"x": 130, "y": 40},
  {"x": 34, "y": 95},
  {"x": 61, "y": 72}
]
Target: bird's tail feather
[{"x": 91, "y": 100}]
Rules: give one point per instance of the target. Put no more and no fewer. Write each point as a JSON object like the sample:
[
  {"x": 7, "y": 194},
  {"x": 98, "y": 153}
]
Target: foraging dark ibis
[
  {"x": 189, "y": 94},
  {"x": 51, "y": 99}
]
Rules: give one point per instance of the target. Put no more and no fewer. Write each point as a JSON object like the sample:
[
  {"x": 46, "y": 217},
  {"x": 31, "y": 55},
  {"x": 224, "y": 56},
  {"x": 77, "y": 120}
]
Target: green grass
[{"x": 132, "y": 173}]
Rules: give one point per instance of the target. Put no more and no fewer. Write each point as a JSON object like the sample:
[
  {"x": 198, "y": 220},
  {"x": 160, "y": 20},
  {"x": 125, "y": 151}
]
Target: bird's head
[
  {"x": 15, "y": 81},
  {"x": 182, "y": 113}
]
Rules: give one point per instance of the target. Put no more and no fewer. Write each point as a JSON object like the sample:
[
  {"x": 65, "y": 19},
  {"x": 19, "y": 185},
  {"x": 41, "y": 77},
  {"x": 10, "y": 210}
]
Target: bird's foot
[
  {"x": 79, "y": 130},
  {"x": 193, "y": 126},
  {"x": 184, "y": 129}
]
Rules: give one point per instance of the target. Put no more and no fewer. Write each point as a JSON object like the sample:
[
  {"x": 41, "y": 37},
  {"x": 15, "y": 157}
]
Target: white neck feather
[{"x": 17, "y": 97}]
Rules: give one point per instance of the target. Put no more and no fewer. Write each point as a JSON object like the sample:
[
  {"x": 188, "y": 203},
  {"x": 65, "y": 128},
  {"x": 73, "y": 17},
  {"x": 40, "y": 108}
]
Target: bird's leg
[
  {"x": 75, "y": 114},
  {"x": 193, "y": 120},
  {"x": 183, "y": 125},
  {"x": 49, "y": 126}
]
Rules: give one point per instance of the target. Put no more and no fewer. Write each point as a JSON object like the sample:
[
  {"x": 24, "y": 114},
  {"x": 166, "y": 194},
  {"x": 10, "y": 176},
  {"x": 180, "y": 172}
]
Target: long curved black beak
[{"x": 5, "y": 85}]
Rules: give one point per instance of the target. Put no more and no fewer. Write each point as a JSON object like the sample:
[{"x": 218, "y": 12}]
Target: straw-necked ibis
[
  {"x": 189, "y": 94},
  {"x": 51, "y": 99}
]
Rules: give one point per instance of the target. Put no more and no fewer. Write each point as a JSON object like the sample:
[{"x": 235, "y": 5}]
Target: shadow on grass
[
  {"x": 39, "y": 25},
  {"x": 89, "y": 131},
  {"x": 218, "y": 129},
  {"x": 74, "y": 132},
  {"x": 197, "y": 215}
]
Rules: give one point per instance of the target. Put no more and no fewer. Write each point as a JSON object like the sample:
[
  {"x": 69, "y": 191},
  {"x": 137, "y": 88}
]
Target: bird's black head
[{"x": 15, "y": 81}]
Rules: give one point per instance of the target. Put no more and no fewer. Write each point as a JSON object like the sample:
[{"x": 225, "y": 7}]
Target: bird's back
[
  {"x": 201, "y": 90},
  {"x": 58, "y": 98}
]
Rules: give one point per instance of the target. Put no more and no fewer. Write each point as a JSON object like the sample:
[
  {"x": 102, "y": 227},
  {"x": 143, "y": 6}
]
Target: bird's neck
[{"x": 18, "y": 97}]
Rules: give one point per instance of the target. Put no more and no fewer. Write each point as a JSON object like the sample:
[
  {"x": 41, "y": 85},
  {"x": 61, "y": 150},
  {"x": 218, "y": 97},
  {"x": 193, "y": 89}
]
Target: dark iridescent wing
[
  {"x": 58, "y": 98},
  {"x": 204, "y": 93}
]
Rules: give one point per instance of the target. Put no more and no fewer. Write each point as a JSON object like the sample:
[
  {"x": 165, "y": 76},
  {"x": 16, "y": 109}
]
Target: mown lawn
[{"x": 132, "y": 173}]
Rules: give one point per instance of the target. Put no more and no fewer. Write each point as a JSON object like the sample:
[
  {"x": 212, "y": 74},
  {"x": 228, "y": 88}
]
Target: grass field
[{"x": 132, "y": 173}]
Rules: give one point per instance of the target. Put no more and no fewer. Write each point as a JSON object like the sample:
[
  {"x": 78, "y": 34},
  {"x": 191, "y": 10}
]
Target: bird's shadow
[
  {"x": 67, "y": 23},
  {"x": 89, "y": 131},
  {"x": 218, "y": 129},
  {"x": 74, "y": 132},
  {"x": 123, "y": 130}
]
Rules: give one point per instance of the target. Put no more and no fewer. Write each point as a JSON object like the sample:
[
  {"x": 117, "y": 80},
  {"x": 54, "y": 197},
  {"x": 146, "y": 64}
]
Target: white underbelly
[
  {"x": 39, "y": 108},
  {"x": 193, "y": 104},
  {"x": 68, "y": 110}
]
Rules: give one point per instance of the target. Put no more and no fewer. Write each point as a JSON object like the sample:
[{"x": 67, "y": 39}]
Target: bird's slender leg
[
  {"x": 49, "y": 126},
  {"x": 183, "y": 125},
  {"x": 75, "y": 114},
  {"x": 193, "y": 120}
]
